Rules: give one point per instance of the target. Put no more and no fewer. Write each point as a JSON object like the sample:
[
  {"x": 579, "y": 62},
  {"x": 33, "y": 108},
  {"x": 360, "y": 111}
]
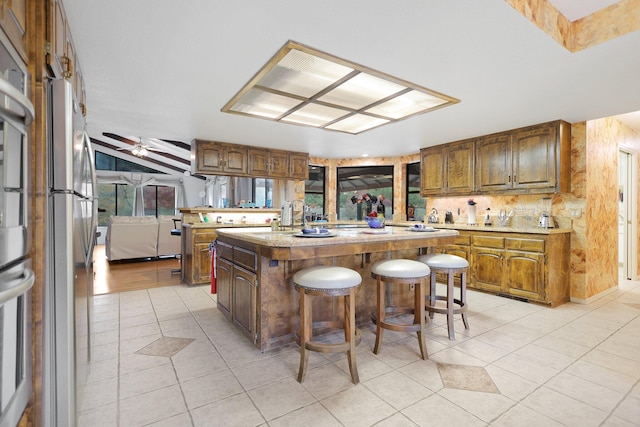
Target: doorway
[{"x": 626, "y": 211}]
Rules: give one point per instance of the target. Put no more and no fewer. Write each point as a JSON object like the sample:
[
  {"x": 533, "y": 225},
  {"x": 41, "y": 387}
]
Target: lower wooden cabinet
[
  {"x": 237, "y": 287},
  {"x": 196, "y": 259},
  {"x": 531, "y": 266}
]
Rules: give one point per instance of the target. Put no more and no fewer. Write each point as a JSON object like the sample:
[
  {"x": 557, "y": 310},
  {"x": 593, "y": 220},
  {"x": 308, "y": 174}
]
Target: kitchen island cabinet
[
  {"x": 196, "y": 259},
  {"x": 256, "y": 267}
]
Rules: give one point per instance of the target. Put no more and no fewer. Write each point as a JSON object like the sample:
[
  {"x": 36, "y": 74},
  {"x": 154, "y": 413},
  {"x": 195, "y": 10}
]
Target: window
[
  {"x": 117, "y": 199},
  {"x": 314, "y": 189},
  {"x": 360, "y": 188},
  {"x": 416, "y": 204},
  {"x": 263, "y": 192}
]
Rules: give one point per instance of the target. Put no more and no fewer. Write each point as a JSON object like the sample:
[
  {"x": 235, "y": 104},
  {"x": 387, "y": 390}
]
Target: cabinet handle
[{"x": 509, "y": 178}]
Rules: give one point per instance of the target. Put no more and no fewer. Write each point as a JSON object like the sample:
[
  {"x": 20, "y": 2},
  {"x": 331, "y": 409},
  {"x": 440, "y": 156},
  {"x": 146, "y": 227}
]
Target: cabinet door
[
  {"x": 524, "y": 275},
  {"x": 202, "y": 263},
  {"x": 235, "y": 160},
  {"x": 209, "y": 157},
  {"x": 13, "y": 20},
  {"x": 244, "y": 300},
  {"x": 56, "y": 38},
  {"x": 224, "y": 276},
  {"x": 258, "y": 162},
  {"x": 487, "y": 269},
  {"x": 278, "y": 164},
  {"x": 298, "y": 165},
  {"x": 534, "y": 158},
  {"x": 432, "y": 170},
  {"x": 460, "y": 167},
  {"x": 493, "y": 161}
]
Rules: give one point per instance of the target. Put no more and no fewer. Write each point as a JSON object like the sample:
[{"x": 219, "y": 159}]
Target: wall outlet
[{"x": 575, "y": 212}]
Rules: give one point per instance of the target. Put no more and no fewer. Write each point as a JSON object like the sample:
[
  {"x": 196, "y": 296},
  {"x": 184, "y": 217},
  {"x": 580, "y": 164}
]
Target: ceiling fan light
[
  {"x": 135, "y": 150},
  {"x": 143, "y": 152}
]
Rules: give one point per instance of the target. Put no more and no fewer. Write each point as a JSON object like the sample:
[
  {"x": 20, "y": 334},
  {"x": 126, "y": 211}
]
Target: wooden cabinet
[
  {"x": 432, "y": 170},
  {"x": 196, "y": 259},
  {"x": 243, "y": 290},
  {"x": 237, "y": 286},
  {"x": 224, "y": 277},
  {"x": 487, "y": 256},
  {"x": 13, "y": 20},
  {"x": 219, "y": 158},
  {"x": 448, "y": 169},
  {"x": 62, "y": 60},
  {"x": 298, "y": 165},
  {"x": 534, "y": 159},
  {"x": 268, "y": 163},
  {"x": 534, "y": 267}
]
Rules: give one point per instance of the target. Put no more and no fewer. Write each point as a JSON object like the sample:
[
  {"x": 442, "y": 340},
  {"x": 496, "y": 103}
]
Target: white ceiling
[{"x": 164, "y": 69}]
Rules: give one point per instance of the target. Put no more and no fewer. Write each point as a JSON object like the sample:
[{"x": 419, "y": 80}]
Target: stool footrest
[
  {"x": 392, "y": 311},
  {"x": 462, "y": 307},
  {"x": 327, "y": 327}
]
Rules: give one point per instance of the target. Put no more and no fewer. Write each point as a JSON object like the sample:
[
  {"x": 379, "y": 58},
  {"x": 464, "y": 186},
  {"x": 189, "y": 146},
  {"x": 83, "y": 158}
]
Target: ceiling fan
[{"x": 139, "y": 149}]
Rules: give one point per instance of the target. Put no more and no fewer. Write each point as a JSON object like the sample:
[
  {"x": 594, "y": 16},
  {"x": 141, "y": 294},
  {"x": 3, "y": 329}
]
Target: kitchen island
[{"x": 255, "y": 269}]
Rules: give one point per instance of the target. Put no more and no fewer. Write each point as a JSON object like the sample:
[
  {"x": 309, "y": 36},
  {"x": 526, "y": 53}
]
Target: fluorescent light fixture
[{"x": 304, "y": 86}]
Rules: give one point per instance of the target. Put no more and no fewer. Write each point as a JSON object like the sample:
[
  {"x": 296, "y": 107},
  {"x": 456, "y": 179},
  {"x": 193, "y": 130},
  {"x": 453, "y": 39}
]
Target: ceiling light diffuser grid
[{"x": 304, "y": 86}]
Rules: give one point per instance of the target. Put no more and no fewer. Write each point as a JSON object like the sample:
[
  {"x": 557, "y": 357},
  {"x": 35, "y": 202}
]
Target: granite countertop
[{"x": 337, "y": 236}]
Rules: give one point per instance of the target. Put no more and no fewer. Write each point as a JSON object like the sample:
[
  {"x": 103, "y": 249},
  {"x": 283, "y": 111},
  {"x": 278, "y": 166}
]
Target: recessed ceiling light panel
[{"x": 304, "y": 86}]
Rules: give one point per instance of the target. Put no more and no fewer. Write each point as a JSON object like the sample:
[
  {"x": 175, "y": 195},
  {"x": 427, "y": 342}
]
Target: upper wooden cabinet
[
  {"x": 219, "y": 158},
  {"x": 13, "y": 20},
  {"x": 298, "y": 165},
  {"x": 268, "y": 163},
  {"x": 535, "y": 159},
  {"x": 62, "y": 59},
  {"x": 447, "y": 169},
  {"x": 432, "y": 170}
]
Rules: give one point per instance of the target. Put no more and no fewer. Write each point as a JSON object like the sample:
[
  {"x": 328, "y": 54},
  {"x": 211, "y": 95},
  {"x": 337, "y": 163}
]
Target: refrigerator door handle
[
  {"x": 13, "y": 93},
  {"x": 22, "y": 287}
]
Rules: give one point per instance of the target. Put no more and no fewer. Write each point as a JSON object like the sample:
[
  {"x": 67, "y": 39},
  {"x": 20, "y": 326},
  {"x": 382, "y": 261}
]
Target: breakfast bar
[{"x": 255, "y": 267}]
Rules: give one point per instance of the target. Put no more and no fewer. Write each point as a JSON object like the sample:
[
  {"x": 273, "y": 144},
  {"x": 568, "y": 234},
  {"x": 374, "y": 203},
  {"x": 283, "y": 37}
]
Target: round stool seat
[
  {"x": 327, "y": 277},
  {"x": 445, "y": 261},
  {"x": 400, "y": 268},
  {"x": 176, "y": 232}
]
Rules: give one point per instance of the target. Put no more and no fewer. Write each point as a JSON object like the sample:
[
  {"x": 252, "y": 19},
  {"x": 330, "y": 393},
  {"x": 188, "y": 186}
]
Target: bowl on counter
[{"x": 375, "y": 222}]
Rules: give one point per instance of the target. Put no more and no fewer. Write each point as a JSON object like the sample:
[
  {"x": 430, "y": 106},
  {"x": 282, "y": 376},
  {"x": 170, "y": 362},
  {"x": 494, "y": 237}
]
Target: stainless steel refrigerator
[{"x": 71, "y": 228}]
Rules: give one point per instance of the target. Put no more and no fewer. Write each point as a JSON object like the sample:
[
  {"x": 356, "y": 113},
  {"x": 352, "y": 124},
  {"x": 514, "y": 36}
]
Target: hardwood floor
[{"x": 122, "y": 276}]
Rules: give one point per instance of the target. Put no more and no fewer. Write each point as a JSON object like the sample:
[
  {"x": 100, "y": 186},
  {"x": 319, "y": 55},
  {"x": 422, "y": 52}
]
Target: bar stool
[
  {"x": 451, "y": 265},
  {"x": 400, "y": 272},
  {"x": 333, "y": 282}
]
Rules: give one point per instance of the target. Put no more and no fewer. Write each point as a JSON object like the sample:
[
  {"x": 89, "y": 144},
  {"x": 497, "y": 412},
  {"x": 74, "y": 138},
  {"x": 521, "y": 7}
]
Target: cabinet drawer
[
  {"x": 225, "y": 251},
  {"x": 204, "y": 237},
  {"x": 531, "y": 245},
  {"x": 488, "y": 241},
  {"x": 462, "y": 240},
  {"x": 245, "y": 258}
]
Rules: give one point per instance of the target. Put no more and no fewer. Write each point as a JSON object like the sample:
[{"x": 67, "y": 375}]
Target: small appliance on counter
[
  {"x": 546, "y": 220},
  {"x": 448, "y": 217},
  {"x": 433, "y": 216},
  {"x": 487, "y": 217}
]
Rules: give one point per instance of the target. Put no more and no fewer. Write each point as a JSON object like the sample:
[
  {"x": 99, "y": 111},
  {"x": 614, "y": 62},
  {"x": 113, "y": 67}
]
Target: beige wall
[{"x": 594, "y": 189}]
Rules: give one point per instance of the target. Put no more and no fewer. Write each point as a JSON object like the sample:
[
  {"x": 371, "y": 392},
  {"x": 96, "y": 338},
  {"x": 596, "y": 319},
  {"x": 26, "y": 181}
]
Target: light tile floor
[{"x": 574, "y": 365}]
